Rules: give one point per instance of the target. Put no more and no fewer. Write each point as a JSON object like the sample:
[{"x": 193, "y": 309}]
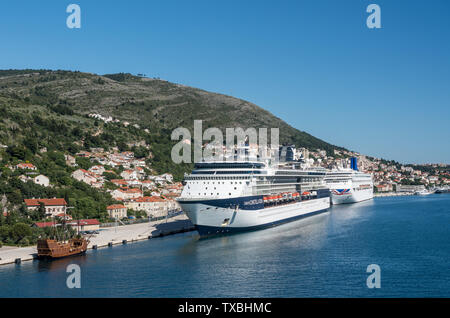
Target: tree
[
  {"x": 140, "y": 152},
  {"x": 20, "y": 231},
  {"x": 16, "y": 151},
  {"x": 4, "y": 232},
  {"x": 31, "y": 144},
  {"x": 41, "y": 211}
]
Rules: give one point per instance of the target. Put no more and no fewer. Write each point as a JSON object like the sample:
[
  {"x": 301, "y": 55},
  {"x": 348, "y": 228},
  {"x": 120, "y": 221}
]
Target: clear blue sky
[{"x": 382, "y": 92}]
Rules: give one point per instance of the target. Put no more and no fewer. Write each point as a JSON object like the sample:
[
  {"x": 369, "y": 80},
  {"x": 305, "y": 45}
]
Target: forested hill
[
  {"x": 152, "y": 103},
  {"x": 44, "y": 117}
]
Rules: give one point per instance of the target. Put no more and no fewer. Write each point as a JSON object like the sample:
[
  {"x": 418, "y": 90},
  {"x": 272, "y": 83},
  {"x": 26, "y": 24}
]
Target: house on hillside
[
  {"x": 140, "y": 173},
  {"x": 153, "y": 206},
  {"x": 97, "y": 169},
  {"x": 168, "y": 177},
  {"x": 129, "y": 174},
  {"x": 117, "y": 211},
  {"x": 158, "y": 180},
  {"x": 84, "y": 154},
  {"x": 42, "y": 180},
  {"x": 26, "y": 166},
  {"x": 126, "y": 194},
  {"x": 148, "y": 185},
  {"x": 70, "y": 161},
  {"x": 88, "y": 177},
  {"x": 52, "y": 207},
  {"x": 120, "y": 182}
]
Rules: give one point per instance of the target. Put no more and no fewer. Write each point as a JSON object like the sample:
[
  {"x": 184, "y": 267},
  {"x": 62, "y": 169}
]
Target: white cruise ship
[
  {"x": 233, "y": 196},
  {"x": 349, "y": 185}
]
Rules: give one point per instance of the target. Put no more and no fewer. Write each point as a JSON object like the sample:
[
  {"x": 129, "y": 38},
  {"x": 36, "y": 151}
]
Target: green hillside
[
  {"x": 44, "y": 116},
  {"x": 152, "y": 103}
]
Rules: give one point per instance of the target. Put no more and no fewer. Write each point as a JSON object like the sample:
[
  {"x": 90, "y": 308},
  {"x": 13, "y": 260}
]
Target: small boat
[
  {"x": 423, "y": 192},
  {"x": 48, "y": 248}
]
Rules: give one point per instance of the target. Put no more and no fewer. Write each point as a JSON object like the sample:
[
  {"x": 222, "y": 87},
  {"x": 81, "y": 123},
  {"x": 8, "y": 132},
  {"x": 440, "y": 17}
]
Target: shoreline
[
  {"x": 124, "y": 234},
  {"x": 391, "y": 194},
  {"x": 108, "y": 237}
]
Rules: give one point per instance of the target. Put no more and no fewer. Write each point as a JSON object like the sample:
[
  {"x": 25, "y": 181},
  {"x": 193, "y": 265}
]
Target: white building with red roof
[
  {"x": 52, "y": 207},
  {"x": 88, "y": 177},
  {"x": 126, "y": 194},
  {"x": 98, "y": 169},
  {"x": 26, "y": 166},
  {"x": 154, "y": 206},
  {"x": 117, "y": 211},
  {"x": 129, "y": 174}
]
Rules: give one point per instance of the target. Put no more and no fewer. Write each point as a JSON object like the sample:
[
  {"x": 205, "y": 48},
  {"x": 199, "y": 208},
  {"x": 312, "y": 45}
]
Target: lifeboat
[{"x": 306, "y": 193}]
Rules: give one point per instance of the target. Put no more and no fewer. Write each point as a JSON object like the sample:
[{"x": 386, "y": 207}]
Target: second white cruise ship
[
  {"x": 222, "y": 197},
  {"x": 349, "y": 185}
]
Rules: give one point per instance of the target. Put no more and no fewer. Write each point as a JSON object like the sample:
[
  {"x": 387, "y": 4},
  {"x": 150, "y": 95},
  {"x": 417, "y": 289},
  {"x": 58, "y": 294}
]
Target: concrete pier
[{"x": 109, "y": 236}]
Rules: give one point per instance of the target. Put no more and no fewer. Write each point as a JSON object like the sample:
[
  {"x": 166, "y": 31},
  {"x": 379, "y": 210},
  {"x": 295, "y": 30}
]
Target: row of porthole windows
[
  {"x": 217, "y": 178},
  {"x": 235, "y": 188},
  {"x": 211, "y": 194},
  {"x": 196, "y": 182}
]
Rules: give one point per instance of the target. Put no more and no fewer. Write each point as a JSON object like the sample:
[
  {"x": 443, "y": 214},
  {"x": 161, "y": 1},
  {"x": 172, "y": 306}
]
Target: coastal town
[
  {"x": 140, "y": 195},
  {"x": 133, "y": 187},
  {"x": 389, "y": 177},
  {"x": 136, "y": 189}
]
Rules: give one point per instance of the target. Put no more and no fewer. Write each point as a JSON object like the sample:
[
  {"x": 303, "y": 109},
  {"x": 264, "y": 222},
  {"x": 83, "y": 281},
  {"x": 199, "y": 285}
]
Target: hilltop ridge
[{"x": 152, "y": 103}]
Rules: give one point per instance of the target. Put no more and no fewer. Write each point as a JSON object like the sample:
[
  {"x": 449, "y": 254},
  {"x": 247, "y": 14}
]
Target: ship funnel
[{"x": 354, "y": 163}]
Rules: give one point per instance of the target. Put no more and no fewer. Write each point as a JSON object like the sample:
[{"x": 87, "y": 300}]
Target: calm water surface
[{"x": 321, "y": 256}]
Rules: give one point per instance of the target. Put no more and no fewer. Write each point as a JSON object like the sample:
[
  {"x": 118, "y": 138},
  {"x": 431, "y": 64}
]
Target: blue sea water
[{"x": 322, "y": 256}]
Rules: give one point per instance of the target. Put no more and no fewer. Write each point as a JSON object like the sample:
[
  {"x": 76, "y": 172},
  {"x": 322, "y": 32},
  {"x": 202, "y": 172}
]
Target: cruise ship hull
[
  {"x": 215, "y": 217},
  {"x": 343, "y": 196}
]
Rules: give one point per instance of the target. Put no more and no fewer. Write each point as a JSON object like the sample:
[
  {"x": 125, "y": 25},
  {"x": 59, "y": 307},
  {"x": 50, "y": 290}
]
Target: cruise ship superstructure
[
  {"x": 348, "y": 185},
  {"x": 222, "y": 197}
]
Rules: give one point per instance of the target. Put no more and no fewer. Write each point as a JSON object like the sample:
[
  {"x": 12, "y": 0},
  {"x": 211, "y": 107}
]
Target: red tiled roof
[
  {"x": 66, "y": 215},
  {"x": 47, "y": 202},
  {"x": 149, "y": 199},
  {"x": 172, "y": 195},
  {"x": 116, "y": 206},
  {"x": 44, "y": 224},
  {"x": 119, "y": 181},
  {"x": 84, "y": 222},
  {"x": 26, "y": 165},
  {"x": 130, "y": 190}
]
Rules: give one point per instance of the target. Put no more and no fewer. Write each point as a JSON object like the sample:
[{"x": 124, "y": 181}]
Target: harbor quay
[
  {"x": 109, "y": 236},
  {"x": 393, "y": 194}
]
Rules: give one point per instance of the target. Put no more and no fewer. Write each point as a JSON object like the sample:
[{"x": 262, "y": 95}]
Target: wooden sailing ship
[
  {"x": 48, "y": 248},
  {"x": 57, "y": 248}
]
